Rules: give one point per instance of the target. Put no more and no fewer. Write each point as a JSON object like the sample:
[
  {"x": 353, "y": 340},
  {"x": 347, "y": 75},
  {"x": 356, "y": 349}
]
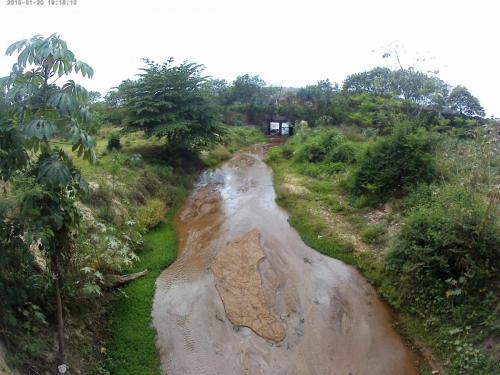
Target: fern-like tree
[
  {"x": 39, "y": 112},
  {"x": 173, "y": 103}
]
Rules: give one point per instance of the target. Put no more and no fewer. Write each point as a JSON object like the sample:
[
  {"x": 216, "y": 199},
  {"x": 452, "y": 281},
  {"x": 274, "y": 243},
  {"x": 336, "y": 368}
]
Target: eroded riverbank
[{"x": 311, "y": 314}]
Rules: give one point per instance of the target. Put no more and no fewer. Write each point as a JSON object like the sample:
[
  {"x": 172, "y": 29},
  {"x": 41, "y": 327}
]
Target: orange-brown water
[{"x": 247, "y": 296}]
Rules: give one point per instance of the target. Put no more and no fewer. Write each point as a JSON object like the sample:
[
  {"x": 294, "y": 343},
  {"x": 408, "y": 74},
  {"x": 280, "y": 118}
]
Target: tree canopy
[
  {"x": 171, "y": 102},
  {"x": 461, "y": 100}
]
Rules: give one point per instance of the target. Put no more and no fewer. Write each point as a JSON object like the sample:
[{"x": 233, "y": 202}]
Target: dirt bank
[{"x": 247, "y": 296}]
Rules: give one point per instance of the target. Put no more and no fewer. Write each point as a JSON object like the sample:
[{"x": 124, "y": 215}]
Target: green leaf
[
  {"x": 40, "y": 129},
  {"x": 16, "y": 46},
  {"x": 62, "y": 101},
  {"x": 86, "y": 70},
  {"x": 54, "y": 172}
]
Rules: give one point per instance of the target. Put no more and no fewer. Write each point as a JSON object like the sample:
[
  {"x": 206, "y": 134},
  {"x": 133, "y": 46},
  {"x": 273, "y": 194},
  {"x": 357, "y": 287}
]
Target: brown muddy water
[{"x": 247, "y": 296}]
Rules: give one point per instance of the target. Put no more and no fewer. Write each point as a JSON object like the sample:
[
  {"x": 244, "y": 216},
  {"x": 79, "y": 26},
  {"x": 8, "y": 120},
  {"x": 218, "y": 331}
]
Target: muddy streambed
[{"x": 247, "y": 296}]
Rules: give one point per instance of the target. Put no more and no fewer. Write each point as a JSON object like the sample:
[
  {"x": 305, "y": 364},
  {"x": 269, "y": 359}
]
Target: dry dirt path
[{"x": 247, "y": 296}]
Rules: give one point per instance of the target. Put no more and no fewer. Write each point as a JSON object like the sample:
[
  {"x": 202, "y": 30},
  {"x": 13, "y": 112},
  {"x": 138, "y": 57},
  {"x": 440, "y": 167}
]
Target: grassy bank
[
  {"x": 132, "y": 348},
  {"x": 456, "y": 329}
]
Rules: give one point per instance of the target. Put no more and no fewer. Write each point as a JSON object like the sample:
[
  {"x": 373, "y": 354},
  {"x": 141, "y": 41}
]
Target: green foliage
[
  {"x": 314, "y": 146},
  {"x": 151, "y": 214},
  {"x": 247, "y": 89},
  {"x": 448, "y": 245},
  {"x": 394, "y": 164},
  {"x": 311, "y": 152},
  {"x": 22, "y": 287},
  {"x": 377, "y": 81},
  {"x": 114, "y": 142},
  {"x": 444, "y": 258},
  {"x": 234, "y": 138},
  {"x": 38, "y": 111},
  {"x": 374, "y": 234},
  {"x": 409, "y": 84},
  {"x": 444, "y": 261},
  {"x": 319, "y": 96},
  {"x": 169, "y": 102},
  {"x": 344, "y": 153},
  {"x": 132, "y": 348},
  {"x": 462, "y": 101}
]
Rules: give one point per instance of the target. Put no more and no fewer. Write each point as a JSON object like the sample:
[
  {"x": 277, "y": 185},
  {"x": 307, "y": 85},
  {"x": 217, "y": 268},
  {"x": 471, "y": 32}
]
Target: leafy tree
[
  {"x": 94, "y": 96},
  {"x": 418, "y": 87},
  {"x": 248, "y": 89},
  {"x": 218, "y": 90},
  {"x": 461, "y": 100},
  {"x": 321, "y": 94},
  {"x": 39, "y": 110},
  {"x": 171, "y": 102},
  {"x": 377, "y": 81},
  {"x": 405, "y": 83}
]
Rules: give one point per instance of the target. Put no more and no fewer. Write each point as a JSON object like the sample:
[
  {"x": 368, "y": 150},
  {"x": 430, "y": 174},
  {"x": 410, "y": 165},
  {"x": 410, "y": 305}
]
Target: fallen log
[{"x": 113, "y": 281}]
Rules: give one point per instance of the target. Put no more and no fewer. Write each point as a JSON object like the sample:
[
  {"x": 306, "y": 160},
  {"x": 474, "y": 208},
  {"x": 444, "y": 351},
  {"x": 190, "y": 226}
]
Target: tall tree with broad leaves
[
  {"x": 247, "y": 89},
  {"x": 39, "y": 112},
  {"x": 378, "y": 81},
  {"x": 465, "y": 103},
  {"x": 171, "y": 102}
]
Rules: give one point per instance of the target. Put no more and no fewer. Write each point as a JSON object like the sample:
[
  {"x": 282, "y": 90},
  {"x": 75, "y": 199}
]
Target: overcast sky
[{"x": 286, "y": 42}]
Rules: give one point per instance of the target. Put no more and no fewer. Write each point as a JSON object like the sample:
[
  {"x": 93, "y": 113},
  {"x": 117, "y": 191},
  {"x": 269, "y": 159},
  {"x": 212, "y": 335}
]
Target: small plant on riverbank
[
  {"x": 374, "y": 234},
  {"x": 114, "y": 142}
]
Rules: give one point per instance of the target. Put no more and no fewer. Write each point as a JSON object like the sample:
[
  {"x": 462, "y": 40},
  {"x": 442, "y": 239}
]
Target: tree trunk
[{"x": 60, "y": 320}]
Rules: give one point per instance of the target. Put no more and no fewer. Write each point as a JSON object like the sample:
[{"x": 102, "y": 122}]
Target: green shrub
[
  {"x": 448, "y": 246},
  {"x": 287, "y": 151},
  {"x": 310, "y": 152},
  {"x": 24, "y": 294},
  {"x": 395, "y": 163},
  {"x": 329, "y": 139},
  {"x": 114, "y": 142},
  {"x": 345, "y": 153},
  {"x": 370, "y": 132},
  {"x": 151, "y": 214},
  {"x": 216, "y": 155},
  {"x": 314, "y": 146},
  {"x": 273, "y": 154},
  {"x": 134, "y": 160},
  {"x": 332, "y": 168},
  {"x": 374, "y": 234},
  {"x": 309, "y": 169}
]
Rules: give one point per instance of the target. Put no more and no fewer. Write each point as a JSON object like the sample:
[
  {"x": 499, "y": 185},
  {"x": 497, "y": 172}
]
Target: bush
[
  {"x": 150, "y": 215},
  {"x": 216, "y": 155},
  {"x": 447, "y": 247},
  {"x": 310, "y": 152},
  {"x": 287, "y": 151},
  {"x": 330, "y": 139},
  {"x": 134, "y": 160},
  {"x": 273, "y": 154},
  {"x": 395, "y": 163},
  {"x": 374, "y": 234},
  {"x": 23, "y": 290},
  {"x": 345, "y": 153},
  {"x": 114, "y": 142}
]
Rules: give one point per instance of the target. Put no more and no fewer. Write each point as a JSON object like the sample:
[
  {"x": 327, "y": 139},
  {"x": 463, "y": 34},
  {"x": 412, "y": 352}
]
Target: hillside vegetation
[{"x": 417, "y": 212}]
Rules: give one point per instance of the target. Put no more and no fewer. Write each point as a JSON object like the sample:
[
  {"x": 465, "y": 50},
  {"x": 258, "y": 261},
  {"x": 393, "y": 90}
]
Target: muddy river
[{"x": 247, "y": 296}]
